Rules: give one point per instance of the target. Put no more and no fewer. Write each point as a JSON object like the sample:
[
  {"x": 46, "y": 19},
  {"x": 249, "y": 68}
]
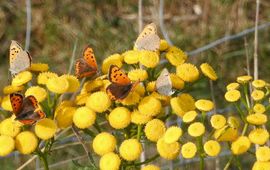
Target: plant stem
[
  {"x": 203, "y": 117},
  {"x": 139, "y": 130},
  {"x": 240, "y": 112},
  {"x": 147, "y": 161},
  {"x": 245, "y": 129},
  {"x": 42, "y": 156},
  {"x": 228, "y": 163},
  {"x": 201, "y": 152}
]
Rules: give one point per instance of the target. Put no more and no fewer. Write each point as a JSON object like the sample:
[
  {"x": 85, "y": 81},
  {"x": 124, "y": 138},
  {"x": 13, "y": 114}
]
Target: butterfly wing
[
  {"x": 21, "y": 62},
  {"x": 117, "y": 76},
  {"x": 164, "y": 83},
  {"x": 16, "y": 101},
  {"x": 90, "y": 58},
  {"x": 14, "y": 49},
  {"x": 118, "y": 92},
  {"x": 82, "y": 69}
]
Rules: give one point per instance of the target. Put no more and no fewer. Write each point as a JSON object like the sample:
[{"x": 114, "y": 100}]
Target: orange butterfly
[
  {"x": 26, "y": 109},
  {"x": 120, "y": 85},
  {"x": 86, "y": 66}
]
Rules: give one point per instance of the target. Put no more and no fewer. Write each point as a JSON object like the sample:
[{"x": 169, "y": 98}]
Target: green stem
[
  {"x": 97, "y": 127},
  {"x": 201, "y": 152},
  {"x": 203, "y": 117},
  {"x": 139, "y": 130},
  {"x": 244, "y": 129},
  {"x": 228, "y": 163},
  {"x": 242, "y": 116},
  {"x": 147, "y": 161},
  {"x": 246, "y": 95},
  {"x": 43, "y": 158}
]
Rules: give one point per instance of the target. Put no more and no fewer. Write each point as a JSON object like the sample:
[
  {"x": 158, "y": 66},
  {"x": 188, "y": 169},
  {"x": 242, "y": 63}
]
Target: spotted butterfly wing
[
  {"x": 116, "y": 75},
  {"x": 14, "y": 49}
]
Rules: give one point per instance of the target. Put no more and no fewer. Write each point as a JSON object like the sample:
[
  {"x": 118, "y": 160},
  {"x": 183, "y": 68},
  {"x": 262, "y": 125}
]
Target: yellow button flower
[
  {"x": 151, "y": 86},
  {"x": 149, "y": 106},
  {"x": 84, "y": 117},
  {"x": 22, "y": 78},
  {"x": 187, "y": 72},
  {"x": 232, "y": 95},
  {"x": 119, "y": 117},
  {"x": 244, "y": 79},
  {"x": 188, "y": 150},
  {"x": 139, "y": 118},
  {"x": 58, "y": 85},
  {"x": 218, "y": 121},
  {"x": 110, "y": 161},
  {"x": 104, "y": 143},
  {"x": 115, "y": 59},
  {"x": 150, "y": 167},
  {"x": 196, "y": 129},
  {"x": 81, "y": 99},
  {"x": 39, "y": 67},
  {"x": 232, "y": 86},
  {"x": 165, "y": 100},
  {"x": 137, "y": 74},
  {"x": 257, "y": 95},
  {"x": 172, "y": 134},
  {"x": 263, "y": 153},
  {"x": 208, "y": 71},
  {"x": 6, "y": 104},
  {"x": 212, "y": 148},
  {"x": 257, "y": 119},
  {"x": 189, "y": 116},
  {"x": 176, "y": 56},
  {"x": 259, "y": 108},
  {"x": 163, "y": 45},
  {"x": 7, "y": 145},
  {"x": 258, "y": 165},
  {"x": 132, "y": 99},
  {"x": 259, "y": 136},
  {"x": 240, "y": 145},
  {"x": 64, "y": 117},
  {"x": 154, "y": 130},
  {"x": 177, "y": 82},
  {"x": 10, "y": 127},
  {"x": 131, "y": 56},
  {"x": 182, "y": 104},
  {"x": 45, "y": 76},
  {"x": 204, "y": 105},
  {"x": 168, "y": 151},
  {"x": 62, "y": 105},
  {"x": 233, "y": 122},
  {"x": 140, "y": 89},
  {"x": 149, "y": 59},
  {"x": 226, "y": 133},
  {"x": 12, "y": 89},
  {"x": 73, "y": 83},
  {"x": 130, "y": 149},
  {"x": 258, "y": 84},
  {"x": 45, "y": 128},
  {"x": 26, "y": 142},
  {"x": 38, "y": 92},
  {"x": 98, "y": 101},
  {"x": 93, "y": 85}
]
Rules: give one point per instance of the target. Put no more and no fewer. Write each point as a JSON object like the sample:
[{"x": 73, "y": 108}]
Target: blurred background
[{"x": 111, "y": 26}]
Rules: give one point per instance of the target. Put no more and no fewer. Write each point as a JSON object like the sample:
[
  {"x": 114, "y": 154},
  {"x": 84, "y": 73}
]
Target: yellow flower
[
  {"x": 257, "y": 95},
  {"x": 232, "y": 95},
  {"x": 109, "y": 161},
  {"x": 258, "y": 165},
  {"x": 131, "y": 56},
  {"x": 196, "y": 129},
  {"x": 7, "y": 145},
  {"x": 64, "y": 116},
  {"x": 139, "y": 118},
  {"x": 226, "y": 133},
  {"x": 163, "y": 45},
  {"x": 177, "y": 82},
  {"x": 189, "y": 116},
  {"x": 149, "y": 59},
  {"x": 93, "y": 85},
  {"x": 204, "y": 105},
  {"x": 149, "y": 106},
  {"x": 208, "y": 71},
  {"x": 258, "y": 84},
  {"x": 119, "y": 117},
  {"x": 84, "y": 117},
  {"x": 257, "y": 119},
  {"x": 12, "y": 89},
  {"x": 115, "y": 59},
  {"x": 150, "y": 167},
  {"x": 22, "y": 78},
  {"x": 38, "y": 92},
  {"x": 182, "y": 104},
  {"x": 61, "y": 106},
  {"x": 137, "y": 74},
  {"x": 218, "y": 121},
  {"x": 172, "y": 134},
  {"x": 263, "y": 154},
  {"x": 45, "y": 128},
  {"x": 58, "y": 85},
  {"x": 140, "y": 89},
  {"x": 259, "y": 108},
  {"x": 132, "y": 99},
  {"x": 9, "y": 127},
  {"x": 26, "y": 142},
  {"x": 233, "y": 122},
  {"x": 154, "y": 130},
  {"x": 73, "y": 83},
  {"x": 39, "y": 67},
  {"x": 244, "y": 79},
  {"x": 187, "y": 72},
  {"x": 98, "y": 101},
  {"x": 232, "y": 86},
  {"x": 6, "y": 104},
  {"x": 165, "y": 100},
  {"x": 130, "y": 149},
  {"x": 259, "y": 136},
  {"x": 151, "y": 86},
  {"x": 212, "y": 148},
  {"x": 81, "y": 98},
  {"x": 168, "y": 151},
  {"x": 240, "y": 145},
  {"x": 45, "y": 76},
  {"x": 188, "y": 150},
  {"x": 104, "y": 143},
  {"x": 176, "y": 56}
]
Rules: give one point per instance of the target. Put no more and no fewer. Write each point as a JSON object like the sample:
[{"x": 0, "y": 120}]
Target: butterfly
[
  {"x": 19, "y": 60},
  {"x": 86, "y": 66},
  {"x": 164, "y": 83},
  {"x": 26, "y": 110},
  {"x": 148, "y": 38},
  {"x": 120, "y": 85}
]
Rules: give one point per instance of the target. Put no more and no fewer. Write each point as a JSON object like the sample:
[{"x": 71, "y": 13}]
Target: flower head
[
  {"x": 7, "y": 145},
  {"x": 163, "y": 45},
  {"x": 176, "y": 56},
  {"x": 6, "y": 104},
  {"x": 12, "y": 89},
  {"x": 150, "y": 106},
  {"x": 226, "y": 133},
  {"x": 119, "y": 117},
  {"x": 98, "y": 101},
  {"x": 64, "y": 116},
  {"x": 73, "y": 83},
  {"x": 212, "y": 148},
  {"x": 109, "y": 161},
  {"x": 244, "y": 79},
  {"x": 45, "y": 76},
  {"x": 263, "y": 154},
  {"x": 93, "y": 85},
  {"x": 172, "y": 134},
  {"x": 131, "y": 56},
  {"x": 218, "y": 121},
  {"x": 240, "y": 145},
  {"x": 130, "y": 149},
  {"x": 187, "y": 72},
  {"x": 259, "y": 136},
  {"x": 258, "y": 84},
  {"x": 177, "y": 82},
  {"x": 154, "y": 130},
  {"x": 137, "y": 74},
  {"x": 22, "y": 78},
  {"x": 189, "y": 116},
  {"x": 139, "y": 118},
  {"x": 104, "y": 143},
  {"x": 259, "y": 108},
  {"x": 84, "y": 117},
  {"x": 204, "y": 105},
  {"x": 132, "y": 99},
  {"x": 232, "y": 95},
  {"x": 257, "y": 119},
  {"x": 232, "y": 86},
  {"x": 10, "y": 127},
  {"x": 39, "y": 67},
  {"x": 26, "y": 142},
  {"x": 196, "y": 129},
  {"x": 115, "y": 59},
  {"x": 58, "y": 85},
  {"x": 257, "y": 95},
  {"x": 81, "y": 99},
  {"x": 233, "y": 122},
  {"x": 38, "y": 92},
  {"x": 140, "y": 89},
  {"x": 182, "y": 104},
  {"x": 166, "y": 150},
  {"x": 208, "y": 71},
  {"x": 188, "y": 150},
  {"x": 45, "y": 128},
  {"x": 258, "y": 165},
  {"x": 149, "y": 59},
  {"x": 151, "y": 86}
]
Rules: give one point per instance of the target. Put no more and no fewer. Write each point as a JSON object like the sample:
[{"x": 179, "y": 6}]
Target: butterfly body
[{"x": 164, "y": 83}]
